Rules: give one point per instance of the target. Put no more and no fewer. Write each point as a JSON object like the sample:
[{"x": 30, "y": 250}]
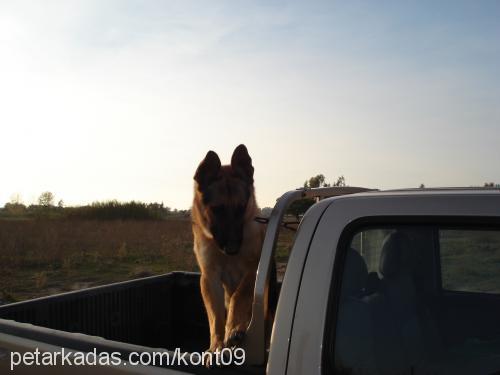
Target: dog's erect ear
[
  {"x": 241, "y": 162},
  {"x": 207, "y": 170}
]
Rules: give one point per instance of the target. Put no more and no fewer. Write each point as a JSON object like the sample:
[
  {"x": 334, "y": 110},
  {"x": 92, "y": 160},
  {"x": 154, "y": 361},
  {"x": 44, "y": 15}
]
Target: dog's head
[{"x": 225, "y": 192}]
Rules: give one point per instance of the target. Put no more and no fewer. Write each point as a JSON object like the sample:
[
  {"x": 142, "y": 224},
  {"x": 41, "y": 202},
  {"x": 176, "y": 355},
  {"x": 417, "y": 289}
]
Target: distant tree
[
  {"x": 422, "y": 186},
  {"x": 300, "y": 206},
  {"x": 115, "y": 210},
  {"x": 15, "y": 209},
  {"x": 340, "y": 181},
  {"x": 46, "y": 199},
  {"x": 15, "y": 205},
  {"x": 16, "y": 198},
  {"x": 60, "y": 204},
  {"x": 320, "y": 181},
  {"x": 316, "y": 181},
  {"x": 489, "y": 184}
]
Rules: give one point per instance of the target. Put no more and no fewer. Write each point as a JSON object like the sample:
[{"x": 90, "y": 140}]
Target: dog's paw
[
  {"x": 212, "y": 359},
  {"x": 235, "y": 338}
]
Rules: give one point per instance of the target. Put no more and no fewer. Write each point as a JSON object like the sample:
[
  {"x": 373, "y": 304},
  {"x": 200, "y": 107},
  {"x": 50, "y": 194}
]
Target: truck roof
[
  {"x": 449, "y": 189},
  {"x": 426, "y": 191}
]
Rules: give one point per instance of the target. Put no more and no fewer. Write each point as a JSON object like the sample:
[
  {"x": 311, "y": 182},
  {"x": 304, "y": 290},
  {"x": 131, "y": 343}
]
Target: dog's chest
[{"x": 232, "y": 274}]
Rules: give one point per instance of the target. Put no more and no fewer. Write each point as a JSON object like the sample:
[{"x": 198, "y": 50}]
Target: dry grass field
[{"x": 48, "y": 256}]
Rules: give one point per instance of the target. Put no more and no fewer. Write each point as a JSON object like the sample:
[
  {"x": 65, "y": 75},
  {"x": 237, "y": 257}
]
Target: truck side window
[
  {"x": 417, "y": 299},
  {"x": 470, "y": 260}
]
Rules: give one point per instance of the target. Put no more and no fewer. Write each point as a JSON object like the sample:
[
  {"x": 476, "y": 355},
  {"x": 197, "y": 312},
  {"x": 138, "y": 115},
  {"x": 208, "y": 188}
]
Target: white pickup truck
[{"x": 377, "y": 282}]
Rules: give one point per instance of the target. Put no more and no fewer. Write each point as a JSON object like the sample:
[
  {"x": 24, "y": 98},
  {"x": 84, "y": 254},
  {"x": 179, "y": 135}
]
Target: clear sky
[{"x": 122, "y": 99}]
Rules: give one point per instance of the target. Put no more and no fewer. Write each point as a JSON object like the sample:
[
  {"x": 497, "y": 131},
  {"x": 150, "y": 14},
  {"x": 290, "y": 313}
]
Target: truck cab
[{"x": 396, "y": 282}]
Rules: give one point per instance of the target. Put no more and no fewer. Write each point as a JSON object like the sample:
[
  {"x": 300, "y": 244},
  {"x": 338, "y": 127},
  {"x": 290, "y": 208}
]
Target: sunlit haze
[{"x": 122, "y": 99}]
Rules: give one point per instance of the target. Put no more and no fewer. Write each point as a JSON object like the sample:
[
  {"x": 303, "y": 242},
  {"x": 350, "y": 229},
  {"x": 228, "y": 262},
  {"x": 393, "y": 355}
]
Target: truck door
[{"x": 415, "y": 298}]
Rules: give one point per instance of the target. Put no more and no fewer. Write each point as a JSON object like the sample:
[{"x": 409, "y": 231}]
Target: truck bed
[{"x": 163, "y": 311}]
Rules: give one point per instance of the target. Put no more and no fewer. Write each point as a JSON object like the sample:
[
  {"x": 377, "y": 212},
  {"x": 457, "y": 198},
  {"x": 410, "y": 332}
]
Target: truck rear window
[{"x": 418, "y": 299}]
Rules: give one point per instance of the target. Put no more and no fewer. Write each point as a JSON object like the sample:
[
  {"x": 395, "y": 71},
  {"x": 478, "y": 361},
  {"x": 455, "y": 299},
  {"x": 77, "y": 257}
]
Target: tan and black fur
[{"x": 227, "y": 243}]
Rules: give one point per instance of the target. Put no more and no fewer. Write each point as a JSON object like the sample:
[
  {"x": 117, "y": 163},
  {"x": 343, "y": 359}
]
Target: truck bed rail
[{"x": 255, "y": 340}]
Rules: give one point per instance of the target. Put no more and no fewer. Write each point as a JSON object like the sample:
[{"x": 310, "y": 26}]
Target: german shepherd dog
[{"x": 227, "y": 243}]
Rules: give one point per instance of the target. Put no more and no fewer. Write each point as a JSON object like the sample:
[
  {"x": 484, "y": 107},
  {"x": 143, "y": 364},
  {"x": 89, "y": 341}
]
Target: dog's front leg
[
  {"x": 213, "y": 298},
  {"x": 240, "y": 311}
]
